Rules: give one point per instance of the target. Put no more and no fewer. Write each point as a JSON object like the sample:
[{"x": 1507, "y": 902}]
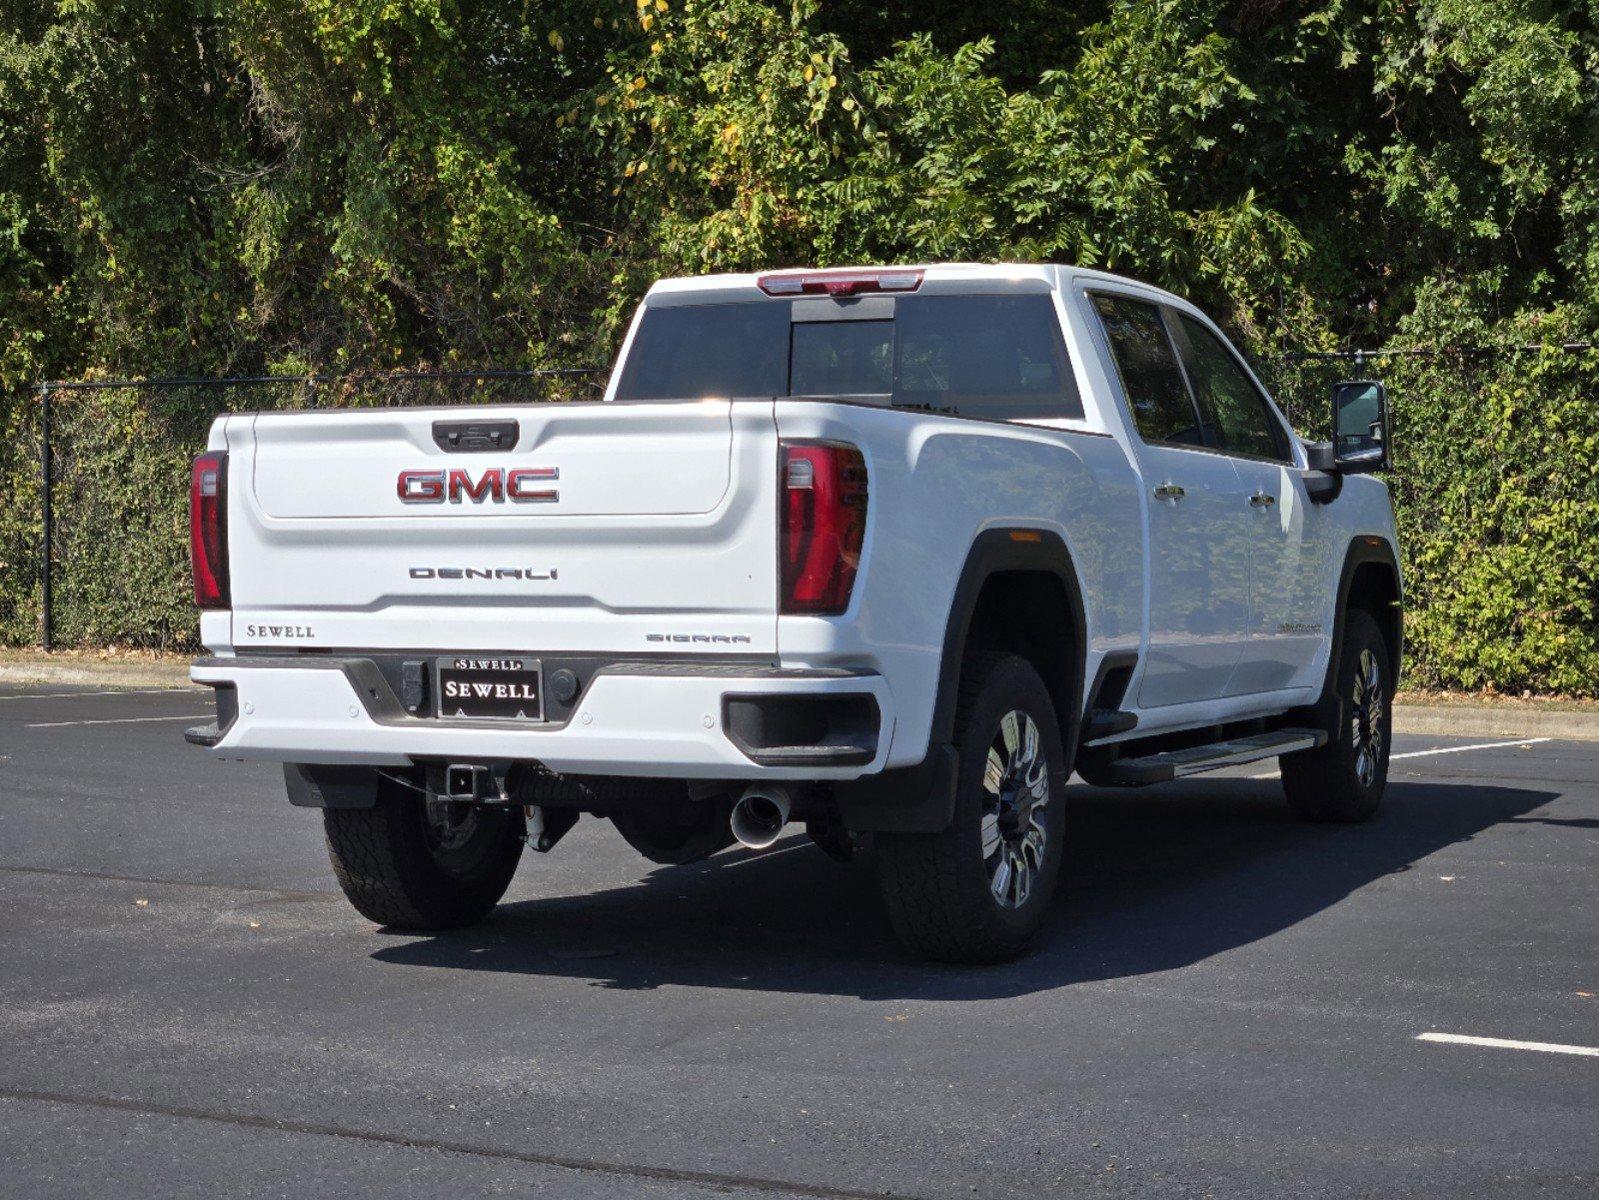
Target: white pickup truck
[{"x": 890, "y": 552}]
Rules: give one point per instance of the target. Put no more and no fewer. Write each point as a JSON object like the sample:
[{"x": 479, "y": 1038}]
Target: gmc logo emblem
[{"x": 519, "y": 485}]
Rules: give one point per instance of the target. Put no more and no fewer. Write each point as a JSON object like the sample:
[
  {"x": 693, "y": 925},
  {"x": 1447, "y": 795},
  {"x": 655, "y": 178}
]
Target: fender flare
[
  {"x": 1361, "y": 551},
  {"x": 921, "y": 798},
  {"x": 997, "y": 550}
]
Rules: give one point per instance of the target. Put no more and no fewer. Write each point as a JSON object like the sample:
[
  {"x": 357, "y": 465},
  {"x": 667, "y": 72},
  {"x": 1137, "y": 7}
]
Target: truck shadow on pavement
[{"x": 1154, "y": 880}]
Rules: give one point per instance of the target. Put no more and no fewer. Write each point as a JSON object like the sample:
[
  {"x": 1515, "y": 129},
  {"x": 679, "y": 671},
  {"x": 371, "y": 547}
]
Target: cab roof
[{"x": 729, "y": 284}]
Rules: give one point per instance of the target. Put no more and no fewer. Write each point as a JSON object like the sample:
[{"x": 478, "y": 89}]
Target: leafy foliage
[
  {"x": 1497, "y": 495},
  {"x": 225, "y": 186}
]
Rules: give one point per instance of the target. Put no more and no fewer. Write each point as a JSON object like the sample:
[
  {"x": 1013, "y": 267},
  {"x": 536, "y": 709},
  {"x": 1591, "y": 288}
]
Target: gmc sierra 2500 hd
[{"x": 887, "y": 551}]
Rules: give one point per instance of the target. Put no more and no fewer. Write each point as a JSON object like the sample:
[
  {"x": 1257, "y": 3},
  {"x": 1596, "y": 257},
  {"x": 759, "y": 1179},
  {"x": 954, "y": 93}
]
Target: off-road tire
[
  {"x": 938, "y": 887},
  {"x": 395, "y": 873},
  {"x": 1327, "y": 785}
]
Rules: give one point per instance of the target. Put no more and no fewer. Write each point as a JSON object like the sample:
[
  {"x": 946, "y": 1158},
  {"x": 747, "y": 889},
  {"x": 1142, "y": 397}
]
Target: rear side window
[
  {"x": 701, "y": 350},
  {"x": 999, "y": 357},
  {"x": 1149, "y": 372},
  {"x": 996, "y": 356},
  {"x": 1229, "y": 401}
]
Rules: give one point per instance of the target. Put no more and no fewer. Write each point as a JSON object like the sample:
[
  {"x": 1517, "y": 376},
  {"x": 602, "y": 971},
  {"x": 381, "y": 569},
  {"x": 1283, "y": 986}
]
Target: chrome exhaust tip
[{"x": 759, "y": 816}]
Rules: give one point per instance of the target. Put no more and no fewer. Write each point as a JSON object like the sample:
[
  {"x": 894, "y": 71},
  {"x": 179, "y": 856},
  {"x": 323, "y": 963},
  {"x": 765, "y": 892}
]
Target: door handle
[
  {"x": 1169, "y": 491},
  {"x": 1262, "y": 500}
]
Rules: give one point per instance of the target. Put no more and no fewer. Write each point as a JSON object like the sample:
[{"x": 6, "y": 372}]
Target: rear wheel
[
  {"x": 1344, "y": 780},
  {"x": 413, "y": 862},
  {"x": 977, "y": 891}
]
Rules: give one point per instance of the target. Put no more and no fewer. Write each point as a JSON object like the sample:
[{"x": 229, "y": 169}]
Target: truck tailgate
[{"x": 609, "y": 528}]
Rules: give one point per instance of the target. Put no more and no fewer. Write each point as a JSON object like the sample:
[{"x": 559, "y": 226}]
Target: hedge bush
[
  {"x": 120, "y": 500},
  {"x": 1495, "y": 482},
  {"x": 1496, "y": 488},
  {"x": 211, "y": 187}
]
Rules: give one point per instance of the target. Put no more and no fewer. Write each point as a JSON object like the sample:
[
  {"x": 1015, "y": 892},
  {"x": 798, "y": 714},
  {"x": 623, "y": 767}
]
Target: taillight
[
  {"x": 824, "y": 523},
  {"x": 208, "y": 529}
]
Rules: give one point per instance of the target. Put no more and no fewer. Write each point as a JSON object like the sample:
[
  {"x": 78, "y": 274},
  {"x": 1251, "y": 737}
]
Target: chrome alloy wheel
[
  {"x": 1366, "y": 722},
  {"x": 1016, "y": 790}
]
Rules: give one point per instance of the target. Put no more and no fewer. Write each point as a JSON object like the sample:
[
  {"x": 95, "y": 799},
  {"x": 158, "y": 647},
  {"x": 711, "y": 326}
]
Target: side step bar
[{"x": 1172, "y": 764}]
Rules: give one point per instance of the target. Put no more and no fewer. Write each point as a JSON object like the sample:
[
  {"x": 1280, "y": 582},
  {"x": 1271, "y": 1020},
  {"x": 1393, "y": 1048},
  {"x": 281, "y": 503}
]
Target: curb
[
  {"x": 1439, "y": 720},
  {"x": 1496, "y": 721},
  {"x": 96, "y": 672}
]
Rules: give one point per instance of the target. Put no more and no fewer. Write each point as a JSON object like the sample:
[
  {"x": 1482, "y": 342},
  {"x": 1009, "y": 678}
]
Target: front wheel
[
  {"x": 413, "y": 862},
  {"x": 977, "y": 891},
  {"x": 1344, "y": 780}
]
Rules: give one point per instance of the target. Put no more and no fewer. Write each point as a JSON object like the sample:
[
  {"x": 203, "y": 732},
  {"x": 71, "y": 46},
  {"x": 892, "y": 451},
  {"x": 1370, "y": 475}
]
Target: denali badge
[
  {"x": 481, "y": 573},
  {"x": 520, "y": 485}
]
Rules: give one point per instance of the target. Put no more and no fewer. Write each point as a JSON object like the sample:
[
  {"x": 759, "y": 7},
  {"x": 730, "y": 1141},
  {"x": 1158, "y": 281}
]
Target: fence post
[{"x": 45, "y": 473}]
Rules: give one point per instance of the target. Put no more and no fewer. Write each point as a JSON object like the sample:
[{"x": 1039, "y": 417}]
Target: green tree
[{"x": 215, "y": 186}]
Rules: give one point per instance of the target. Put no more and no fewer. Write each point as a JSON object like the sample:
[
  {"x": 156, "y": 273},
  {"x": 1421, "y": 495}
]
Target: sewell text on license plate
[{"x": 505, "y": 687}]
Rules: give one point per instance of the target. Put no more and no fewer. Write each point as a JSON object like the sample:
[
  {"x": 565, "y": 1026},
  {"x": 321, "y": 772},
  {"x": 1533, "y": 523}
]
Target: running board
[{"x": 1173, "y": 764}]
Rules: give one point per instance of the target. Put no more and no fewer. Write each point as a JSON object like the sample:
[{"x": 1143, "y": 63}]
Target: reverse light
[
  {"x": 840, "y": 283},
  {"x": 208, "y": 529},
  {"x": 824, "y": 523}
]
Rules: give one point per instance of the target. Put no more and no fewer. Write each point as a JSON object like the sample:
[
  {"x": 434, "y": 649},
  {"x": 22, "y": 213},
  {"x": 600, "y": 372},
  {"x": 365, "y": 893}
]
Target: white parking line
[
  {"x": 1476, "y": 746},
  {"x": 1461, "y": 1039},
  {"x": 75, "y": 695},
  {"x": 114, "y": 721},
  {"x": 1441, "y": 750}
]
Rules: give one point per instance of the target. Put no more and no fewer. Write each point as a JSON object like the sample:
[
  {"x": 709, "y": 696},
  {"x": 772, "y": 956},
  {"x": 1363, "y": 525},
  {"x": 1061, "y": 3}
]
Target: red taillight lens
[
  {"x": 824, "y": 523},
  {"x": 208, "y": 529},
  {"x": 841, "y": 283}
]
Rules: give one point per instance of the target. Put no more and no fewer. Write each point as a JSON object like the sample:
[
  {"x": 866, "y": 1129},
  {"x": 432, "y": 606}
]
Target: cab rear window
[
  {"x": 703, "y": 350},
  {"x": 995, "y": 356}
]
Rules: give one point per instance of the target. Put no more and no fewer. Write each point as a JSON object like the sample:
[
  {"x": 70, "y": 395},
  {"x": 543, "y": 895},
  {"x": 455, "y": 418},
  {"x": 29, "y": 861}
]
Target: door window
[
  {"x": 1230, "y": 403},
  {"x": 1149, "y": 373}
]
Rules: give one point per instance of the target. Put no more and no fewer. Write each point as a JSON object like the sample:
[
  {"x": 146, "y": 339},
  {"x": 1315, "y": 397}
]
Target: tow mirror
[{"x": 1360, "y": 426}]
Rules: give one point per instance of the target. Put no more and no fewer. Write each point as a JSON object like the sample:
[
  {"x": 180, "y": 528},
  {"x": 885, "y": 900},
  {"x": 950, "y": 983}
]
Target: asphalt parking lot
[{"x": 1225, "y": 1002}]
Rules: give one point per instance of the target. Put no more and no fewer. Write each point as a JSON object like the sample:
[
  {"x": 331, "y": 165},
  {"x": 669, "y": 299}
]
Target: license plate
[{"x": 502, "y": 689}]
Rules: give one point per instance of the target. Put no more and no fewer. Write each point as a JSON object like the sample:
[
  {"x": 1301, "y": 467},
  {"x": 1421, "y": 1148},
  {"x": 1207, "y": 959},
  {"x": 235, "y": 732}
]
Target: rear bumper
[{"x": 658, "y": 719}]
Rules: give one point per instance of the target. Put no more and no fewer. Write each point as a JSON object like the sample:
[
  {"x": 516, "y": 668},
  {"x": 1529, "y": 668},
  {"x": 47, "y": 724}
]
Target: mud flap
[
  {"x": 330, "y": 787},
  {"x": 919, "y": 799}
]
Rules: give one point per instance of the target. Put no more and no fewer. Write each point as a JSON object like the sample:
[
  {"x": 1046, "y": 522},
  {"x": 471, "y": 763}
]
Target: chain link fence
[
  {"x": 94, "y": 482},
  {"x": 119, "y": 453},
  {"x": 1495, "y": 486}
]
